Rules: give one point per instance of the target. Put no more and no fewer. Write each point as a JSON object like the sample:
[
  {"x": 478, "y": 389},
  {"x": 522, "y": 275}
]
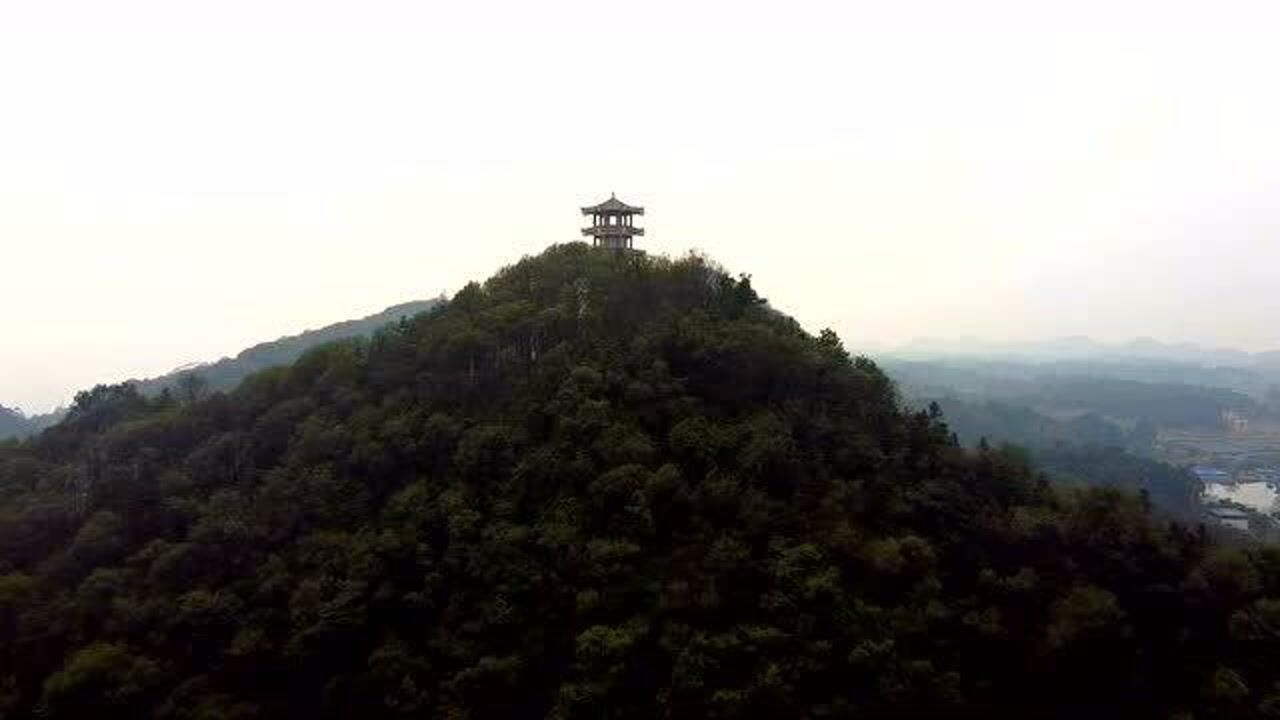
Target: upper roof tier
[{"x": 613, "y": 205}]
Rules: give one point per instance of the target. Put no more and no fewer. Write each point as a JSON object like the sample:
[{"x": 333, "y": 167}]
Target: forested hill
[
  {"x": 226, "y": 373},
  {"x": 595, "y": 486}
]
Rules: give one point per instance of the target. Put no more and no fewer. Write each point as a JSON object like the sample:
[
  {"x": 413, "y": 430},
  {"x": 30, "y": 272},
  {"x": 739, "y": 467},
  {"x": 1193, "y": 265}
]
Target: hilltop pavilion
[{"x": 612, "y": 224}]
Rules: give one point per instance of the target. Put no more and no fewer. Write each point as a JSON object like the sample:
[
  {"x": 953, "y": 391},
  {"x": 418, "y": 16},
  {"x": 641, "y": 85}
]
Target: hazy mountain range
[
  {"x": 1077, "y": 347},
  {"x": 1141, "y": 359},
  {"x": 15, "y": 424},
  {"x": 12, "y": 422},
  {"x": 226, "y": 373}
]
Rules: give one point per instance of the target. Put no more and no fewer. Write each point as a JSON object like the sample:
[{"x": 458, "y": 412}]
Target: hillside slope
[
  {"x": 228, "y": 372},
  {"x": 595, "y": 486}
]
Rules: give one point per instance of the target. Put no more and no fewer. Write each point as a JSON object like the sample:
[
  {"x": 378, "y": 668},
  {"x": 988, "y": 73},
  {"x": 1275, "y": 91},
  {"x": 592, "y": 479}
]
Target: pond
[{"x": 1260, "y": 496}]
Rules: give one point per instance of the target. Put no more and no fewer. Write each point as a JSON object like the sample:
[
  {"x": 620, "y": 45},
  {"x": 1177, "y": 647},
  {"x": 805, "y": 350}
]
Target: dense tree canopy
[{"x": 595, "y": 486}]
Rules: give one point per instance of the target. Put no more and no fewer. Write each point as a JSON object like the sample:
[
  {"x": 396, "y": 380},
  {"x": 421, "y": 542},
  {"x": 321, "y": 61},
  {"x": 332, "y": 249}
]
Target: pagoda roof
[{"x": 613, "y": 205}]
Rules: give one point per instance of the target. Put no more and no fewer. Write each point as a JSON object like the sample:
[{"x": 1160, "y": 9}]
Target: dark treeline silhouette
[{"x": 597, "y": 485}]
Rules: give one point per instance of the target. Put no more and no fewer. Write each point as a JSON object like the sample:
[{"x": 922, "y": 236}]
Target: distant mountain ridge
[
  {"x": 12, "y": 423},
  {"x": 1080, "y": 347},
  {"x": 226, "y": 373},
  {"x": 15, "y": 424}
]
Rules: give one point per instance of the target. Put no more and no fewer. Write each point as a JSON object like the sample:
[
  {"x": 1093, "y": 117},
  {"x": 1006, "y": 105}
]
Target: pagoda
[{"x": 612, "y": 224}]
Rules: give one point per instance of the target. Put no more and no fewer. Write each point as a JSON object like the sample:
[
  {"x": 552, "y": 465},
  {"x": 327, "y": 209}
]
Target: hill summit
[{"x": 597, "y": 485}]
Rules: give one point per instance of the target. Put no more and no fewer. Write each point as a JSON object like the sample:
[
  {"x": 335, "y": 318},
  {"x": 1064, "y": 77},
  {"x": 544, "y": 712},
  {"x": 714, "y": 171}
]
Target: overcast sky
[{"x": 179, "y": 180}]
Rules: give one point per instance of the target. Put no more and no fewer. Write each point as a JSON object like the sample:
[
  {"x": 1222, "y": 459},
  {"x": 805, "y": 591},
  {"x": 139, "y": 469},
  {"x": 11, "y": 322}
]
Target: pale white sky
[{"x": 179, "y": 180}]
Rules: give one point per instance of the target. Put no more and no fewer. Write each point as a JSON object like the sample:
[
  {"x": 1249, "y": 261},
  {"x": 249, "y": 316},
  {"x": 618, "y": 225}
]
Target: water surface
[{"x": 1260, "y": 496}]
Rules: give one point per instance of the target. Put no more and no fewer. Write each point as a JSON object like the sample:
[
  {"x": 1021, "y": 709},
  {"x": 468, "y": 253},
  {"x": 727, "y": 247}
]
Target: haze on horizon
[{"x": 179, "y": 181}]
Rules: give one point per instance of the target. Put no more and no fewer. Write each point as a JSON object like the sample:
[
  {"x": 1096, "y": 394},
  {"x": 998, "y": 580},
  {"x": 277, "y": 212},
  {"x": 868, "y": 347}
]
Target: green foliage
[
  {"x": 101, "y": 679},
  {"x": 594, "y": 486}
]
